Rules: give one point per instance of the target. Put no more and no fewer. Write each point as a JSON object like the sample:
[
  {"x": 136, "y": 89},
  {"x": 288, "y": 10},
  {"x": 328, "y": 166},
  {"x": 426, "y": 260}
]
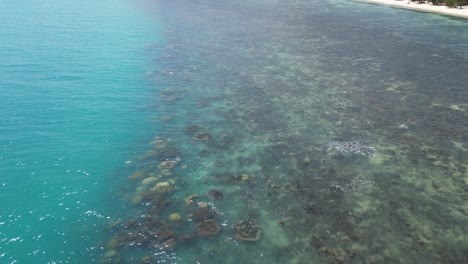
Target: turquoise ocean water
[
  {"x": 74, "y": 109},
  {"x": 243, "y": 131}
]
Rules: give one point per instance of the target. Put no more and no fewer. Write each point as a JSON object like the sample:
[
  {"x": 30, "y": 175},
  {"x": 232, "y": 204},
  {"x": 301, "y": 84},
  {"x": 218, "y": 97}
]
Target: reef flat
[{"x": 301, "y": 132}]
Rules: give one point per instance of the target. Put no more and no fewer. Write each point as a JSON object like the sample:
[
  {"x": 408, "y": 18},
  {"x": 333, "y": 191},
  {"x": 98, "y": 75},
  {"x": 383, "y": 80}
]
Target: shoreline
[{"x": 406, "y": 4}]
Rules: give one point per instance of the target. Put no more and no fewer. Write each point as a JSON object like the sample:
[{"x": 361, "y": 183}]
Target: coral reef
[
  {"x": 189, "y": 199},
  {"x": 204, "y": 211},
  {"x": 175, "y": 217},
  {"x": 208, "y": 228},
  {"x": 168, "y": 164},
  {"x": 166, "y": 118},
  {"x": 215, "y": 194},
  {"x": 149, "y": 180},
  {"x": 273, "y": 119},
  {"x": 350, "y": 148},
  {"x": 137, "y": 175},
  {"x": 202, "y": 136},
  {"x": 192, "y": 128},
  {"x": 247, "y": 230},
  {"x": 162, "y": 187}
]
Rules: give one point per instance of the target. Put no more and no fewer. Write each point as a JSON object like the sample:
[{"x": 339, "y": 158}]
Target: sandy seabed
[{"x": 427, "y": 7}]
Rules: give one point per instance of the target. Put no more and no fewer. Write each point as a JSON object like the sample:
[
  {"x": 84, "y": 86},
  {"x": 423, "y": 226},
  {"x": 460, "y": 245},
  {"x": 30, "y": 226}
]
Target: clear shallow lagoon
[{"x": 336, "y": 131}]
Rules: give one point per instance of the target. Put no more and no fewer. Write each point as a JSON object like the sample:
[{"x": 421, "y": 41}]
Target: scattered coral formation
[
  {"x": 247, "y": 230},
  {"x": 149, "y": 180},
  {"x": 351, "y": 147},
  {"x": 166, "y": 118},
  {"x": 202, "y": 136},
  {"x": 162, "y": 187},
  {"x": 215, "y": 194},
  {"x": 168, "y": 164},
  {"x": 192, "y": 128},
  {"x": 204, "y": 211},
  {"x": 208, "y": 228},
  {"x": 175, "y": 217},
  {"x": 137, "y": 175},
  {"x": 189, "y": 199}
]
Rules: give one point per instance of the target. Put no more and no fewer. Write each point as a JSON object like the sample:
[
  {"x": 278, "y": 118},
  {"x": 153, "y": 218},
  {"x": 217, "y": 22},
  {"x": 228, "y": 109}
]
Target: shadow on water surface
[{"x": 295, "y": 136}]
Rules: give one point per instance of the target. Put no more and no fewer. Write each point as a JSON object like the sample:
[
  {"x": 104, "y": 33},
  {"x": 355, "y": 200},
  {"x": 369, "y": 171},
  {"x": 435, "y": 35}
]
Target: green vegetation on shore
[{"x": 449, "y": 3}]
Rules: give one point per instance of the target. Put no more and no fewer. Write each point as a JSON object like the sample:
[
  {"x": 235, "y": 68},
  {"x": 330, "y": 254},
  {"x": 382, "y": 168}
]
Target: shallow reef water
[
  {"x": 296, "y": 132},
  {"x": 329, "y": 132},
  {"x": 316, "y": 133}
]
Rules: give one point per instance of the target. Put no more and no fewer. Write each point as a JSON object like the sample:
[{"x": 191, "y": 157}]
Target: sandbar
[{"x": 426, "y": 7}]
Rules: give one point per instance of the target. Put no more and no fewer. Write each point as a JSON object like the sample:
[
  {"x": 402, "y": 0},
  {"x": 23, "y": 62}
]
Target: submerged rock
[
  {"x": 350, "y": 148},
  {"x": 164, "y": 234},
  {"x": 189, "y": 199},
  {"x": 248, "y": 230},
  {"x": 146, "y": 259},
  {"x": 185, "y": 238},
  {"x": 208, "y": 228},
  {"x": 137, "y": 199},
  {"x": 332, "y": 253},
  {"x": 402, "y": 126},
  {"x": 202, "y": 136},
  {"x": 166, "y": 118},
  {"x": 168, "y": 164},
  {"x": 168, "y": 153},
  {"x": 191, "y": 129},
  {"x": 204, "y": 212},
  {"x": 137, "y": 175},
  {"x": 169, "y": 244},
  {"x": 147, "y": 155},
  {"x": 141, "y": 189},
  {"x": 165, "y": 173},
  {"x": 111, "y": 253},
  {"x": 175, "y": 217},
  {"x": 215, "y": 194},
  {"x": 154, "y": 198},
  {"x": 149, "y": 180},
  {"x": 219, "y": 163},
  {"x": 112, "y": 244},
  {"x": 159, "y": 143},
  {"x": 162, "y": 187}
]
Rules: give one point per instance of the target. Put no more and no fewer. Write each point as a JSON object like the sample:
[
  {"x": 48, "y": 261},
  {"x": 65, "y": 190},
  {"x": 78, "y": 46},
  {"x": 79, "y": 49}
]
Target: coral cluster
[{"x": 350, "y": 148}]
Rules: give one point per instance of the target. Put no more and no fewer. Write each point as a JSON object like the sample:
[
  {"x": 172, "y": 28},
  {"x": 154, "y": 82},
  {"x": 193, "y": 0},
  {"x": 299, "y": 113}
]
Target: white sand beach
[{"x": 427, "y": 7}]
